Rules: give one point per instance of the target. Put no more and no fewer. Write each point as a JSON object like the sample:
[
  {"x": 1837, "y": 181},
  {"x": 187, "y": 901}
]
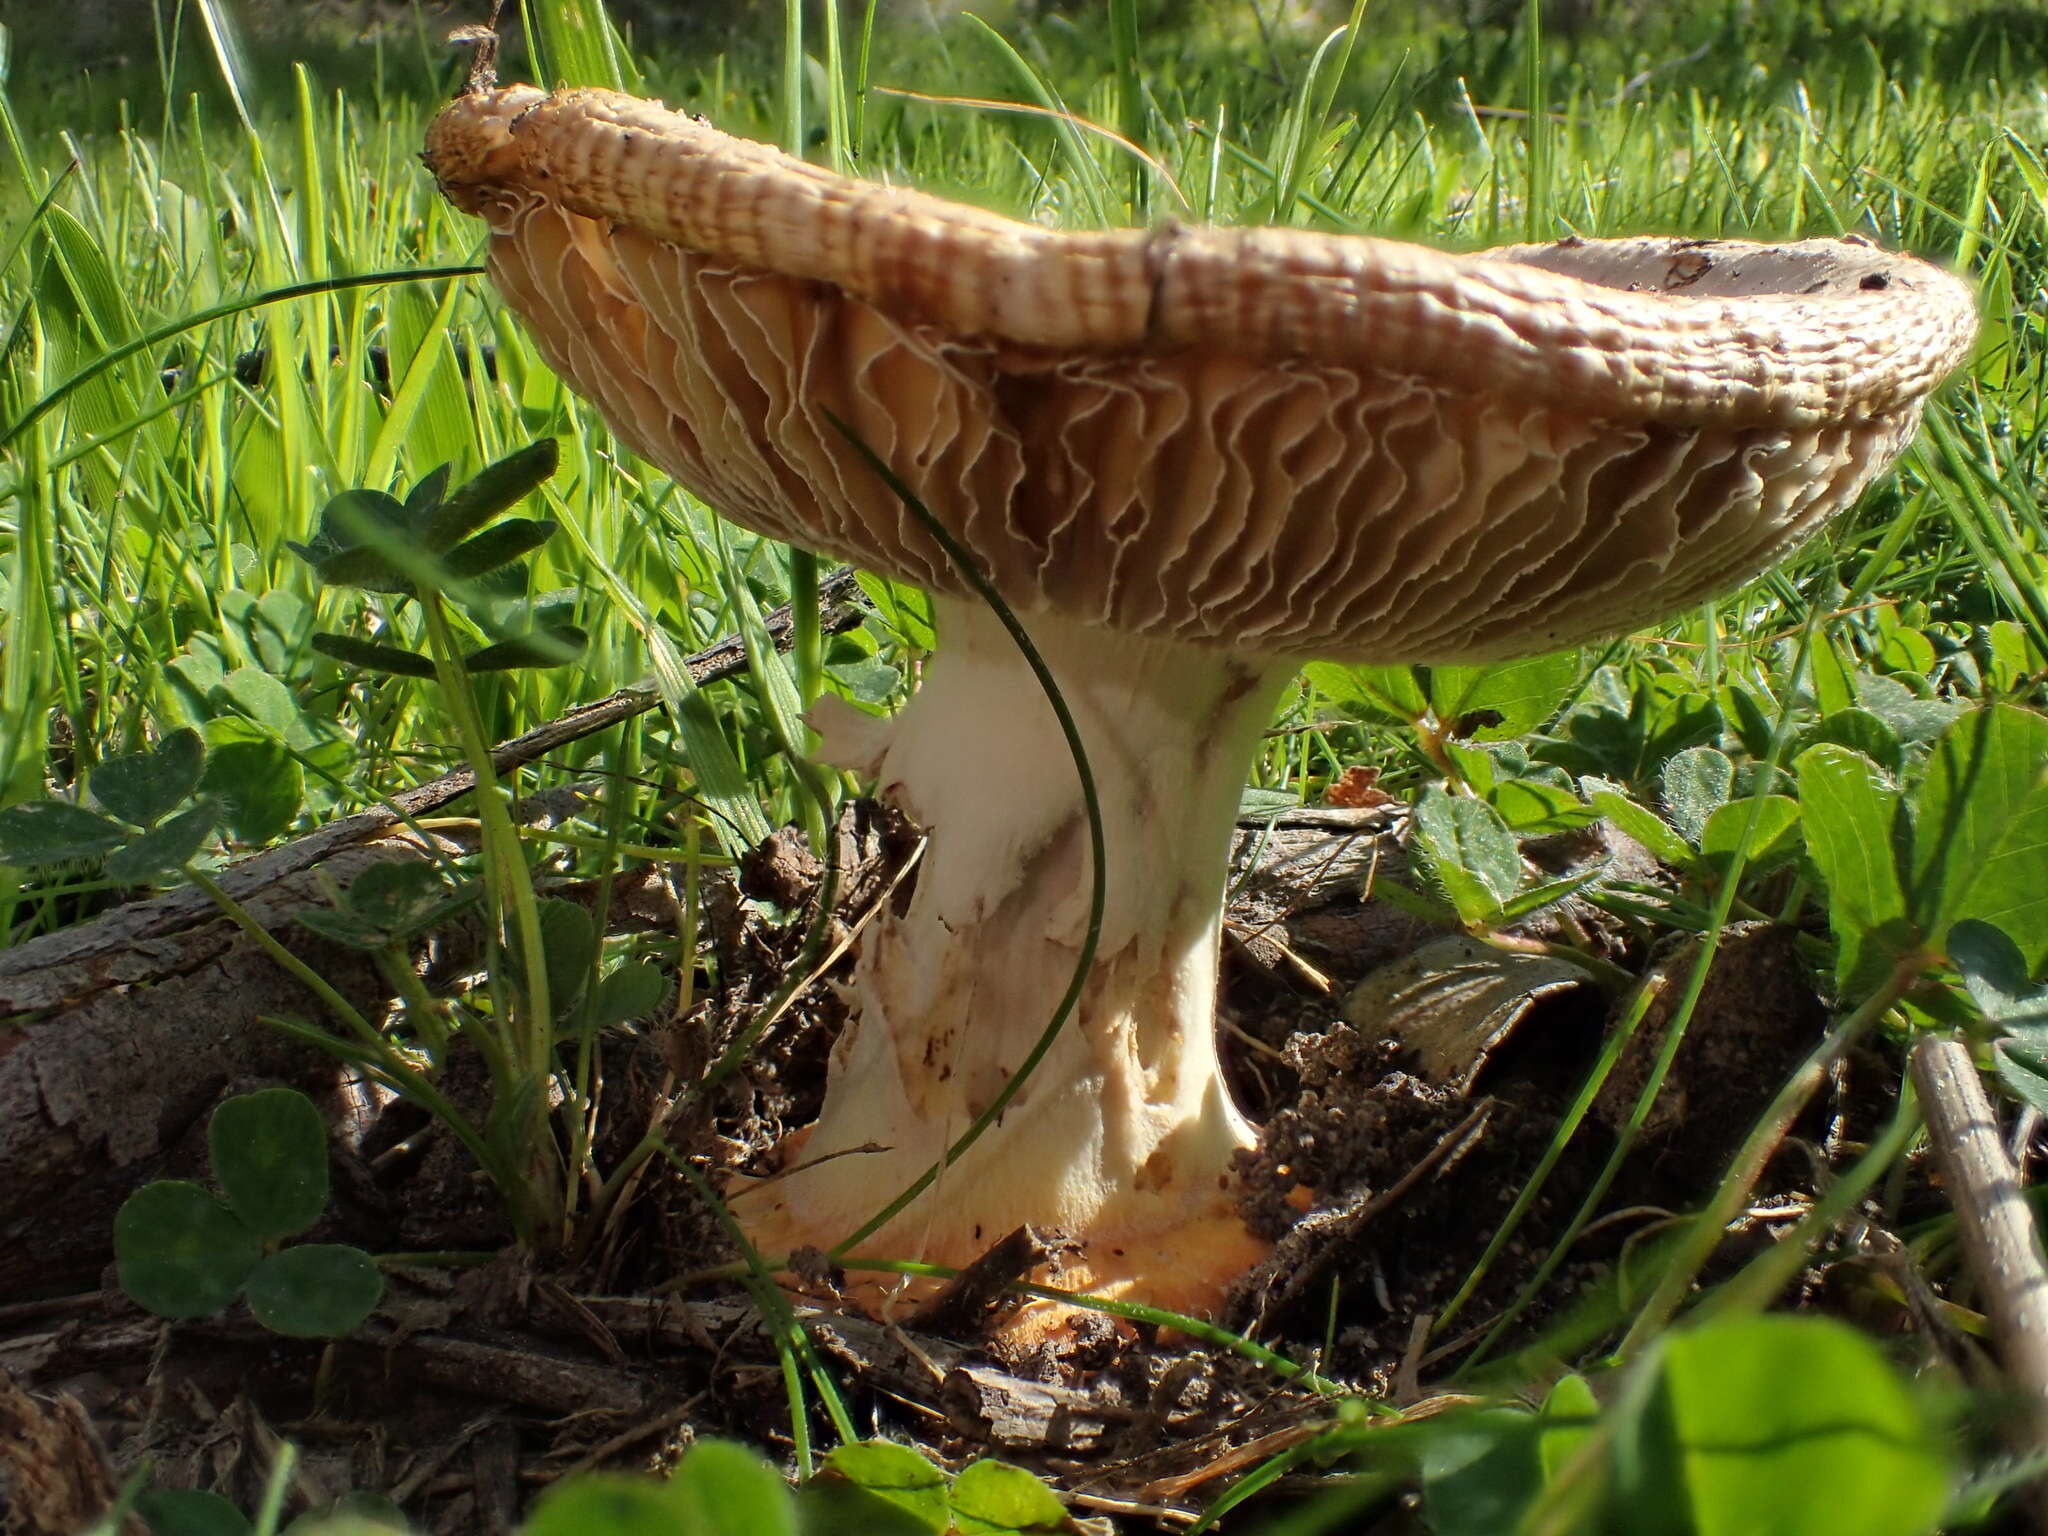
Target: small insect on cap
[{"x": 1288, "y": 443}]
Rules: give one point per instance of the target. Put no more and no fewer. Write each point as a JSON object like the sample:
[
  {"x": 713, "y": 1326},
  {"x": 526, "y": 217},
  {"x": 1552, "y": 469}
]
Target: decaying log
[{"x": 135, "y": 1045}]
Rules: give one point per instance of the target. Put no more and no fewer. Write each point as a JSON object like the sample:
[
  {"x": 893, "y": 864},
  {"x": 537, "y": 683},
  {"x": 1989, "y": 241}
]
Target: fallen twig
[{"x": 1997, "y": 1229}]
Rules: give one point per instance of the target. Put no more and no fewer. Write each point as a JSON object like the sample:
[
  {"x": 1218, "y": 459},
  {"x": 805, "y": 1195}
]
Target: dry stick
[{"x": 1997, "y": 1227}]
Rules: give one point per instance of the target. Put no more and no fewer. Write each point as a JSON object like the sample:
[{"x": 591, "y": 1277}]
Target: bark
[{"x": 138, "y": 1022}]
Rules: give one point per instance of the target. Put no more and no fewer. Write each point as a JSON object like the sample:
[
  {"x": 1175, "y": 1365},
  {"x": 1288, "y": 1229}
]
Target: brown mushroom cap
[{"x": 1287, "y": 442}]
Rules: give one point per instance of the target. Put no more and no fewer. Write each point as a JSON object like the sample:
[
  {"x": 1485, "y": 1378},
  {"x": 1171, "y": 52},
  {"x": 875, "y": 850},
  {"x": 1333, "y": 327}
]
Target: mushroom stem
[{"x": 1123, "y": 1137}]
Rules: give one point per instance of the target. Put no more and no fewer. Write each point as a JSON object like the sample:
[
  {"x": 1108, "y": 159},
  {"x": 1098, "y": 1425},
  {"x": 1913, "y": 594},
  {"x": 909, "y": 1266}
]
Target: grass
[{"x": 146, "y": 515}]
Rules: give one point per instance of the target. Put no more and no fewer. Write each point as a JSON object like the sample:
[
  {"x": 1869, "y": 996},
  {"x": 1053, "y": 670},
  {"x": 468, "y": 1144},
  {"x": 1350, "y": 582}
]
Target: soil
[{"x": 473, "y": 1388}]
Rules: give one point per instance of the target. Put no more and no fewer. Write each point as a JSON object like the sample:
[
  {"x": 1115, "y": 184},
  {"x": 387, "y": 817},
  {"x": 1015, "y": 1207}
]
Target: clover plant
[{"x": 183, "y": 1251}]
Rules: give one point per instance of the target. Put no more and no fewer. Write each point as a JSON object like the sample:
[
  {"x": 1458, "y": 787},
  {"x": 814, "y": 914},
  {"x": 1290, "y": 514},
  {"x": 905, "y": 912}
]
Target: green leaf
[
  {"x": 1391, "y": 694},
  {"x": 389, "y": 902},
  {"x": 316, "y": 1290},
  {"x": 494, "y": 489},
  {"x": 993, "y": 1498},
  {"x": 1537, "y": 805},
  {"x": 1776, "y": 839},
  {"x": 895, "y": 1475},
  {"x": 190, "y": 1512},
  {"x": 723, "y": 1489},
  {"x": 42, "y": 832},
  {"x": 1469, "y": 850},
  {"x": 1910, "y": 716},
  {"x": 1797, "y": 1426},
  {"x": 1415, "y": 903},
  {"x": 145, "y": 787},
  {"x": 258, "y": 782},
  {"x": 2010, "y": 662},
  {"x": 1908, "y": 651},
  {"x": 870, "y": 682},
  {"x": 355, "y": 518},
  {"x": 568, "y": 939},
  {"x": 613, "y": 1504},
  {"x": 1479, "y": 1472},
  {"x": 262, "y": 698},
  {"x": 426, "y": 495},
  {"x": 497, "y": 546},
  {"x": 1549, "y": 893},
  {"x": 1252, "y": 803},
  {"x": 164, "y": 849},
  {"x": 371, "y": 656},
  {"x": 1519, "y": 695},
  {"x": 902, "y": 608},
  {"x": 1995, "y": 974},
  {"x": 269, "y": 1152},
  {"x": 1747, "y": 718},
  {"x": 1851, "y": 814},
  {"x": 1696, "y": 784},
  {"x": 1980, "y": 828},
  {"x": 1659, "y": 717},
  {"x": 1860, "y": 731},
  {"x": 366, "y": 568},
  {"x": 629, "y": 991},
  {"x": 1638, "y": 821},
  {"x": 552, "y": 647},
  {"x": 2023, "y": 1068},
  {"x": 1834, "y": 688},
  {"x": 353, "y": 1514},
  {"x": 1569, "y": 1416},
  {"x": 179, "y": 1251}
]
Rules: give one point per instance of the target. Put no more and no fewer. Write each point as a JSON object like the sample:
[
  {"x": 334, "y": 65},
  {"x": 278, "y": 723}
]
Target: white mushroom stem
[{"x": 1123, "y": 1136}]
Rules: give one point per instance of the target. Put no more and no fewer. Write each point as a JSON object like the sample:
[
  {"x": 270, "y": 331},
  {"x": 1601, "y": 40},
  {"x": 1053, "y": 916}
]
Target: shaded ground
[{"x": 475, "y": 1387}]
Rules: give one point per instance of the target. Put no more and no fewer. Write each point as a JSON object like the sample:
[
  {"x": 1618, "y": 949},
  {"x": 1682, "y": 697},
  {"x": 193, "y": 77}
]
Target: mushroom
[{"x": 1189, "y": 459}]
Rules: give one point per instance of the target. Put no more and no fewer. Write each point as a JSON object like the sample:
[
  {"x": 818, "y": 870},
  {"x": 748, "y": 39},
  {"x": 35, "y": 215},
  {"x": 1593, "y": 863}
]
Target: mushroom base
[{"x": 1122, "y": 1138}]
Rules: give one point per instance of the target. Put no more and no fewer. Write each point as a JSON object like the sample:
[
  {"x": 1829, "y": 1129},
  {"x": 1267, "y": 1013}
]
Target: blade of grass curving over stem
[{"x": 1098, "y": 867}]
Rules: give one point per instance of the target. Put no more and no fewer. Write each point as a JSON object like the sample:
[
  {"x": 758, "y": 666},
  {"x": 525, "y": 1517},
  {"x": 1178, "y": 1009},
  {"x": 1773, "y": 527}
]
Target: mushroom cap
[{"x": 1290, "y": 443}]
